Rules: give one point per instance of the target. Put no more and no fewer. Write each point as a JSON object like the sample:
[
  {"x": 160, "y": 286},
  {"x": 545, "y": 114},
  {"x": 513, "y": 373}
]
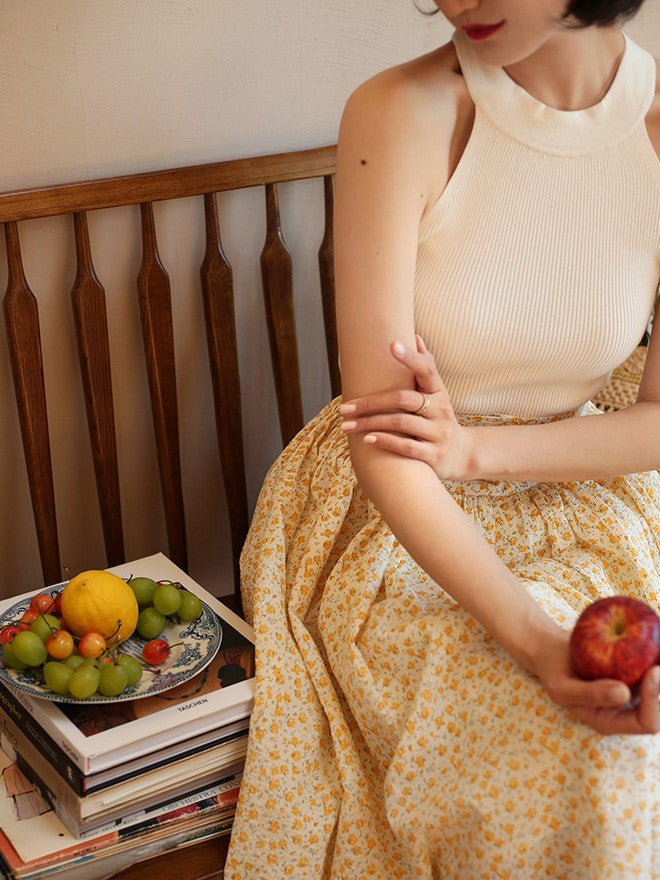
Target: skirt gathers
[{"x": 391, "y": 736}]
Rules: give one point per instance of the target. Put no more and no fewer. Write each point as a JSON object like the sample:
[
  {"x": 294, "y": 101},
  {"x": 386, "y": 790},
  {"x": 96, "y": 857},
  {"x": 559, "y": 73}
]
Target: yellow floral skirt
[{"x": 391, "y": 736}]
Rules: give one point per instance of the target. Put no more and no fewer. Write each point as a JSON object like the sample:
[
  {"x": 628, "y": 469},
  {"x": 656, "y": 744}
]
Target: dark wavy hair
[
  {"x": 601, "y": 13},
  {"x": 585, "y": 13}
]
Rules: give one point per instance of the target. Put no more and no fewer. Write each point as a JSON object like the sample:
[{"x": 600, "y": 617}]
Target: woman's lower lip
[{"x": 482, "y": 31}]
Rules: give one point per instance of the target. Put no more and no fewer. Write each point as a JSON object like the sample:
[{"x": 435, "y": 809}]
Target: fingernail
[
  {"x": 348, "y": 426},
  {"x": 619, "y": 693},
  {"x": 347, "y": 408},
  {"x": 369, "y": 438},
  {"x": 399, "y": 348}
]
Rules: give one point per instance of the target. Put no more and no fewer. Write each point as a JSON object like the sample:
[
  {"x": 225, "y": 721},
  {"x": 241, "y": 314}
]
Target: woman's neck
[{"x": 573, "y": 70}]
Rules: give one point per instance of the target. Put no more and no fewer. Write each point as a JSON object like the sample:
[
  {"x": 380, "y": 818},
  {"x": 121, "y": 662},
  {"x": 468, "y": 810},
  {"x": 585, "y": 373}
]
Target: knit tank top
[{"x": 538, "y": 266}]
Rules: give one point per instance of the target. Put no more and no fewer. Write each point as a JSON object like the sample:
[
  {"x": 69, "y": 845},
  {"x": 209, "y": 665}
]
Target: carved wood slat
[
  {"x": 327, "y": 273},
  {"x": 25, "y": 353},
  {"x": 156, "y": 315},
  {"x": 218, "y": 298},
  {"x": 88, "y": 300},
  {"x": 277, "y": 278}
]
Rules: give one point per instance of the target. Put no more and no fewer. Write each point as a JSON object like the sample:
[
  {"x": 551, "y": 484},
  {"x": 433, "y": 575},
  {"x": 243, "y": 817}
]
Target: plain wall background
[{"x": 92, "y": 88}]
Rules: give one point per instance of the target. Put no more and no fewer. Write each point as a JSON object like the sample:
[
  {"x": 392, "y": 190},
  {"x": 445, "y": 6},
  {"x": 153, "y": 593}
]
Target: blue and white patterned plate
[{"x": 194, "y": 645}]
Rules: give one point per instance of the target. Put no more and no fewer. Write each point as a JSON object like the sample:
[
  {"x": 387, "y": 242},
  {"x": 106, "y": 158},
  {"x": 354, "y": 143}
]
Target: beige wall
[{"x": 99, "y": 87}]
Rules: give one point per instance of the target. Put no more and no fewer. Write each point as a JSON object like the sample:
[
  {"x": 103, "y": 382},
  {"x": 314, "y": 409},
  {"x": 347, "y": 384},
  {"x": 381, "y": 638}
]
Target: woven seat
[{"x": 621, "y": 390}]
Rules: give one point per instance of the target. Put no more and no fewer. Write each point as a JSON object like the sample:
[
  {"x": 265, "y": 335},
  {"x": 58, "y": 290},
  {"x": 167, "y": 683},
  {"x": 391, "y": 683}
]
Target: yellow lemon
[{"x": 98, "y": 601}]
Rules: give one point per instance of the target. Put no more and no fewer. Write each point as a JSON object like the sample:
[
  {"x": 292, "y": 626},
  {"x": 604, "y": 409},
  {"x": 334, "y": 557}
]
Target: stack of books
[{"x": 85, "y": 787}]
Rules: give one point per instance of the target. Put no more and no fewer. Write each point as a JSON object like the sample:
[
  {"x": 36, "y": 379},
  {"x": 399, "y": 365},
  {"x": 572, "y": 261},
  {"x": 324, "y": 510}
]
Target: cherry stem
[
  {"x": 52, "y": 629},
  {"x": 113, "y": 634}
]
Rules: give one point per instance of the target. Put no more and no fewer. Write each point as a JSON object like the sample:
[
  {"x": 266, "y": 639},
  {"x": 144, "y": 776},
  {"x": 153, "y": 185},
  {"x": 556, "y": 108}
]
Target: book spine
[{"x": 20, "y": 718}]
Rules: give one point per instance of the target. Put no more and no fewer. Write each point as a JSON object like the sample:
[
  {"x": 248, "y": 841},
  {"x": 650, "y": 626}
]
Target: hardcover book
[
  {"x": 89, "y": 738},
  {"x": 34, "y": 843},
  {"x": 127, "y": 801}
]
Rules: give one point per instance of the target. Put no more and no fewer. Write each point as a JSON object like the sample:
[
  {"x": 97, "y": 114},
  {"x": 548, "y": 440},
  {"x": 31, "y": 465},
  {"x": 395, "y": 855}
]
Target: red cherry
[
  {"x": 60, "y": 644},
  {"x": 29, "y": 615},
  {"x": 42, "y": 603},
  {"x": 156, "y": 652},
  {"x": 7, "y": 633},
  {"x": 92, "y": 645}
]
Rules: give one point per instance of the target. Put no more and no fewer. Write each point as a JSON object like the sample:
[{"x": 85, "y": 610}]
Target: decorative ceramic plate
[{"x": 194, "y": 645}]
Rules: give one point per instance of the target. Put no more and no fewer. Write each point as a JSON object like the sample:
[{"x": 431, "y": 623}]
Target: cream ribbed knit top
[{"x": 538, "y": 265}]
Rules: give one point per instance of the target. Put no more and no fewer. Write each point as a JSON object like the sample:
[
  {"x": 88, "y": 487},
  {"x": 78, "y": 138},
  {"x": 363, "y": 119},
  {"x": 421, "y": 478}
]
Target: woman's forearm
[
  {"x": 447, "y": 544},
  {"x": 586, "y": 447}
]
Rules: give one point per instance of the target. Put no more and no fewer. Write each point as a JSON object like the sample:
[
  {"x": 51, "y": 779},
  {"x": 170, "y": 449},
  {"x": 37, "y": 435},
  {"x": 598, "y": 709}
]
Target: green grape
[
  {"x": 84, "y": 681},
  {"x": 167, "y": 599},
  {"x": 113, "y": 680},
  {"x": 144, "y": 589},
  {"x": 74, "y": 661},
  {"x": 11, "y": 659},
  {"x": 29, "y": 649},
  {"x": 44, "y": 625},
  {"x": 150, "y": 623},
  {"x": 57, "y": 675},
  {"x": 191, "y": 606},
  {"x": 132, "y": 668}
]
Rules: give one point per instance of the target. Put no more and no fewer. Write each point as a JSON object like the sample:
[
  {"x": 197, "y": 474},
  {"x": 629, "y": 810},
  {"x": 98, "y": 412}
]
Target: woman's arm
[
  {"x": 389, "y": 151},
  {"x": 590, "y": 447}
]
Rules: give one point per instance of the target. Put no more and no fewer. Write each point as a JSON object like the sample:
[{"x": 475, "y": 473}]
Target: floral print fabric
[{"x": 391, "y": 736}]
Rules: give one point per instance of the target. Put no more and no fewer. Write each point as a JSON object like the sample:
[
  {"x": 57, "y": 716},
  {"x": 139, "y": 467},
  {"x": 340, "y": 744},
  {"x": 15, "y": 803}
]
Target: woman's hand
[
  {"x": 606, "y": 705},
  {"x": 414, "y": 423}
]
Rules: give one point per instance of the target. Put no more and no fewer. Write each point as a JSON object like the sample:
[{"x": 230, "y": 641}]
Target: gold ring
[{"x": 424, "y": 405}]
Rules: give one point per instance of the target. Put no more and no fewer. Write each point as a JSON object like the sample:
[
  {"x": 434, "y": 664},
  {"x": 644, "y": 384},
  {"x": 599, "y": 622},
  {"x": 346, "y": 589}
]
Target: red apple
[{"x": 615, "y": 637}]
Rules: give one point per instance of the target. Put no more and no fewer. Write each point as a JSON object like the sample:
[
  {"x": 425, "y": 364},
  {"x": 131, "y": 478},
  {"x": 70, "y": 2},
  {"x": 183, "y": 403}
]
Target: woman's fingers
[
  {"x": 399, "y": 401},
  {"x": 641, "y": 716},
  {"x": 419, "y": 361},
  {"x": 406, "y": 447},
  {"x": 406, "y": 424},
  {"x": 421, "y": 364},
  {"x": 648, "y": 711},
  {"x": 601, "y": 694}
]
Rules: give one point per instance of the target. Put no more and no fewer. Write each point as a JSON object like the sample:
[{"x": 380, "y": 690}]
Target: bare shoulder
[
  {"x": 653, "y": 116},
  {"x": 408, "y": 116}
]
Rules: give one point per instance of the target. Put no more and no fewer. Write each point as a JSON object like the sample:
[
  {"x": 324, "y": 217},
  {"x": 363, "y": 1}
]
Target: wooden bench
[
  {"x": 216, "y": 298},
  {"x": 152, "y": 290}
]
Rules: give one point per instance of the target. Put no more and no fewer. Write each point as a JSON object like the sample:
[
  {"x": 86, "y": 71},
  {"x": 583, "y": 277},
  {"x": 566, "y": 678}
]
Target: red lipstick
[{"x": 481, "y": 31}]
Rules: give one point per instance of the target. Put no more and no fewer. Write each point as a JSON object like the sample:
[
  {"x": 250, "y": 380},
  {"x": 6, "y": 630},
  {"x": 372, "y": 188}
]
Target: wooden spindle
[
  {"x": 327, "y": 275},
  {"x": 91, "y": 322},
  {"x": 157, "y": 330},
  {"x": 218, "y": 298},
  {"x": 277, "y": 281},
  {"x": 25, "y": 354}
]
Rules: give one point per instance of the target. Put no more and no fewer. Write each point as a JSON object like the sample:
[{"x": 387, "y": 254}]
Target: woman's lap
[{"x": 391, "y": 736}]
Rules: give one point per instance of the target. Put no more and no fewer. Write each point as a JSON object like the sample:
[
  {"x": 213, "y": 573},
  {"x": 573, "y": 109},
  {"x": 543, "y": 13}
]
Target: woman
[{"x": 417, "y": 558}]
